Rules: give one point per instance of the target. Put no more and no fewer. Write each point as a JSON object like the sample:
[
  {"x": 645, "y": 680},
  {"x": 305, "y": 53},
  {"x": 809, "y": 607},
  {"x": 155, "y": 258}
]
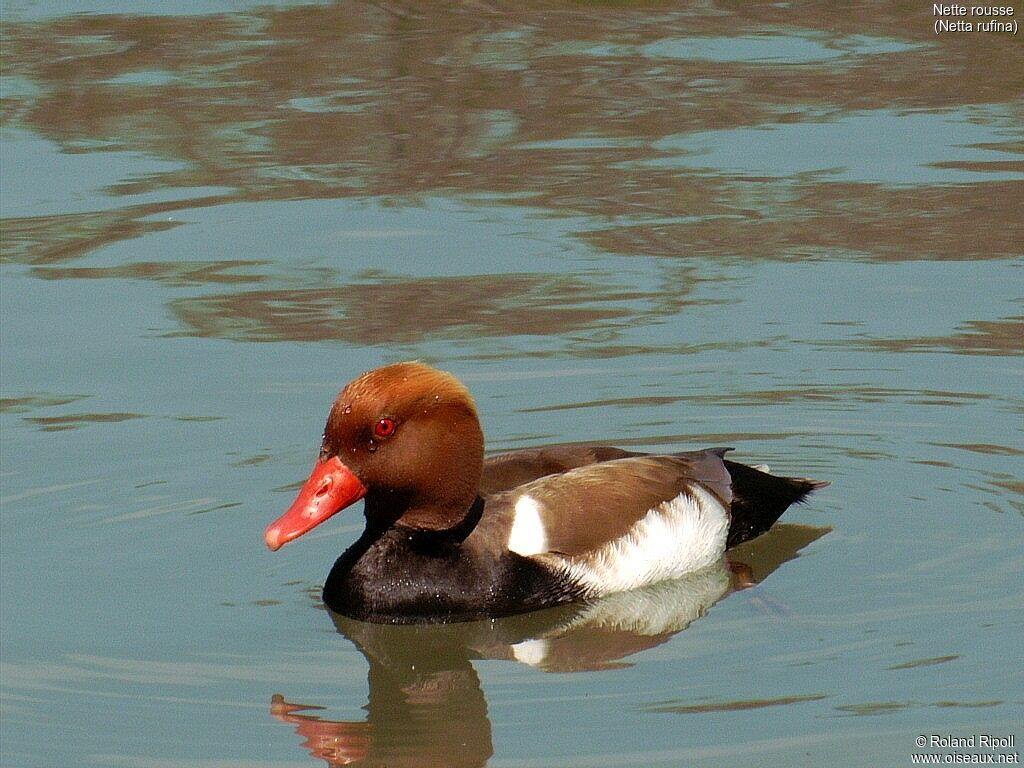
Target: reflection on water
[
  {"x": 975, "y": 337},
  {"x": 731, "y": 706},
  {"x": 452, "y": 100},
  {"x": 878, "y": 146},
  {"x": 177, "y": 275},
  {"x": 426, "y": 704},
  {"x": 852, "y": 221},
  {"x": 665, "y": 136},
  {"x": 75, "y": 420},
  {"x": 60, "y": 237},
  {"x": 30, "y": 402},
  {"x": 401, "y": 311}
]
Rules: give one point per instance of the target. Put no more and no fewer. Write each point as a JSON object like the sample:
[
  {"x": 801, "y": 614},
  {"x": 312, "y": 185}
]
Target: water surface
[{"x": 794, "y": 230}]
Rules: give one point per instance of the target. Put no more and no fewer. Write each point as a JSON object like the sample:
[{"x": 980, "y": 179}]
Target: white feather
[
  {"x": 527, "y": 536},
  {"x": 532, "y": 652},
  {"x": 668, "y": 606},
  {"x": 673, "y": 539}
]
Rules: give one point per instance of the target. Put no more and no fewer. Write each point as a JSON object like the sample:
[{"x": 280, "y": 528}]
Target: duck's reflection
[{"x": 426, "y": 706}]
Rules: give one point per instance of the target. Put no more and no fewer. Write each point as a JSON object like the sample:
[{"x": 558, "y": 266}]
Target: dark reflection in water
[
  {"x": 406, "y": 310},
  {"x": 59, "y": 238},
  {"x": 977, "y": 337},
  {"x": 31, "y": 402},
  {"x": 581, "y": 111},
  {"x": 426, "y": 706},
  {"x": 854, "y": 221},
  {"x": 175, "y": 274},
  {"x": 75, "y": 420},
  {"x": 732, "y": 706},
  {"x": 844, "y": 398}
]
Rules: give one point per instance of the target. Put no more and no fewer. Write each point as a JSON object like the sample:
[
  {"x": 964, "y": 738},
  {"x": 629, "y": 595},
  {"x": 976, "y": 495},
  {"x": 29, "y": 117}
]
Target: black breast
[{"x": 407, "y": 577}]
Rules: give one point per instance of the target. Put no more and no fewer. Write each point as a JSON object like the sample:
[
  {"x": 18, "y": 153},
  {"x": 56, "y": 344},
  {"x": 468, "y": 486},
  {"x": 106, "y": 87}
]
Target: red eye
[{"x": 384, "y": 428}]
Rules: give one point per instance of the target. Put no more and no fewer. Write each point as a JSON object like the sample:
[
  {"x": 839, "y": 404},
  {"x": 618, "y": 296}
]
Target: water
[{"x": 794, "y": 230}]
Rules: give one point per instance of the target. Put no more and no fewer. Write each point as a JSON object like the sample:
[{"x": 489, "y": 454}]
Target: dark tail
[{"x": 759, "y": 499}]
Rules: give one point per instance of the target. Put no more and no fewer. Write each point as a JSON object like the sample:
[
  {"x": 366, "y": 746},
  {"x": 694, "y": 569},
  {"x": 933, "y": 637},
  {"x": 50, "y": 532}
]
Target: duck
[{"x": 451, "y": 535}]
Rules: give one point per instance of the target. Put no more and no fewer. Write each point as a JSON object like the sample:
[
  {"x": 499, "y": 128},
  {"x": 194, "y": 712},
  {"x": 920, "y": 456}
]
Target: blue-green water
[{"x": 792, "y": 230}]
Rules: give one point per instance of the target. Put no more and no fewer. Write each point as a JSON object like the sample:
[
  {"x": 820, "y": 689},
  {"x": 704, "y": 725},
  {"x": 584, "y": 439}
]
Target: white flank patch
[
  {"x": 527, "y": 536},
  {"x": 673, "y": 539}
]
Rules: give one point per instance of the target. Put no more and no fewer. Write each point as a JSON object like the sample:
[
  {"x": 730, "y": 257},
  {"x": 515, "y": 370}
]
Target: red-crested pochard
[{"x": 452, "y": 536}]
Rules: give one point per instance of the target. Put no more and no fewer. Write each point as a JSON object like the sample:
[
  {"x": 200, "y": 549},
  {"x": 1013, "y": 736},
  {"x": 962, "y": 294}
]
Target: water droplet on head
[{"x": 347, "y": 410}]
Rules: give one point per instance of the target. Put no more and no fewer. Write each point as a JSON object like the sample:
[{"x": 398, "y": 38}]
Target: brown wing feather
[
  {"x": 584, "y": 508},
  {"x": 510, "y": 470}
]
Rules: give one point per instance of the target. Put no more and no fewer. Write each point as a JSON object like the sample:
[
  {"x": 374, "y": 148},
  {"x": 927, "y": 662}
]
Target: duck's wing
[
  {"x": 588, "y": 508},
  {"x": 511, "y": 470}
]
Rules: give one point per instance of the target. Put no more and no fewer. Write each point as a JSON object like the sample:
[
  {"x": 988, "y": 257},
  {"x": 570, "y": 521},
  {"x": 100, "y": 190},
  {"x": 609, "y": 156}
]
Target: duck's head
[{"x": 407, "y": 438}]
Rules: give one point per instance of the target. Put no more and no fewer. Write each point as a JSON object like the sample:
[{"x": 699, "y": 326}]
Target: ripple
[
  {"x": 76, "y": 420},
  {"x": 732, "y": 706}
]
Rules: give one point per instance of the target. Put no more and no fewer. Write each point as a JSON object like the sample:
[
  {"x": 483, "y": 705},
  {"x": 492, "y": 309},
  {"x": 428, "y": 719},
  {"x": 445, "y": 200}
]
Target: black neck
[
  {"x": 458, "y": 532},
  {"x": 383, "y": 512}
]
